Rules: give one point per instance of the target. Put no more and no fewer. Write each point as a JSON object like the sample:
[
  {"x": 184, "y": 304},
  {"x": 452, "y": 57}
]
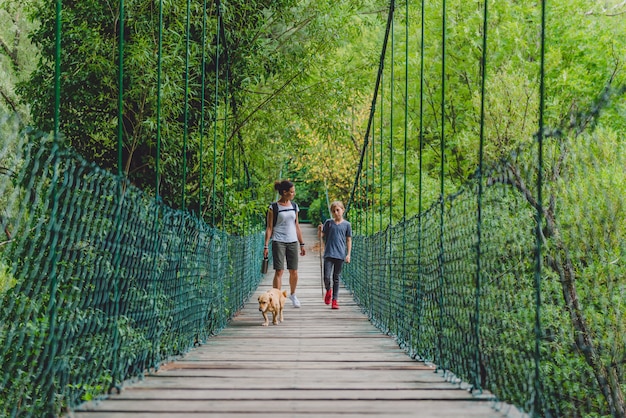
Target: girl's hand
[{"x": 348, "y": 259}]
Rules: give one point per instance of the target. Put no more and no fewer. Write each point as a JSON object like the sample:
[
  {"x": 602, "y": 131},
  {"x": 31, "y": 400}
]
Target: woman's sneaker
[
  {"x": 329, "y": 295},
  {"x": 335, "y": 305},
  {"x": 294, "y": 300}
]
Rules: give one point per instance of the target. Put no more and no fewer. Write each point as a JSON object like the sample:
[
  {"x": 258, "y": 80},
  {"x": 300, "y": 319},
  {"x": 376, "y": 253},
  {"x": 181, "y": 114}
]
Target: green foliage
[
  {"x": 583, "y": 44},
  {"x": 273, "y": 90},
  {"x": 7, "y": 281},
  {"x": 18, "y": 56},
  {"x": 317, "y": 211}
]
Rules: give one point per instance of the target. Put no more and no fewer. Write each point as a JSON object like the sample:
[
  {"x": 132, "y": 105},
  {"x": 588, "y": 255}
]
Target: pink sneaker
[
  {"x": 329, "y": 295},
  {"x": 335, "y": 305}
]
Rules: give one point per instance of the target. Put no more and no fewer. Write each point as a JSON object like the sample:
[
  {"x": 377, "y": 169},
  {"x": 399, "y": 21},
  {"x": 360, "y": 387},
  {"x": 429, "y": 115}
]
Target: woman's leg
[
  {"x": 293, "y": 280},
  {"x": 278, "y": 254},
  {"x": 278, "y": 279},
  {"x": 292, "y": 253}
]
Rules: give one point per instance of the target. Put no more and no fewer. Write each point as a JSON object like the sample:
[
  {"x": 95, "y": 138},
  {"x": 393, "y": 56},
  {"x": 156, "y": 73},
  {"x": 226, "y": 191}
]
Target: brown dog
[{"x": 272, "y": 301}]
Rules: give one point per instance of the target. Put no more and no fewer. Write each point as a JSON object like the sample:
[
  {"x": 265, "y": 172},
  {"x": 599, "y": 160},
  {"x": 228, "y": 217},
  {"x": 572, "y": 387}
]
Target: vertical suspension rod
[
  {"x": 538, "y": 234},
  {"x": 440, "y": 362},
  {"x": 216, "y": 98},
  {"x": 476, "y": 383},
  {"x": 186, "y": 108}
]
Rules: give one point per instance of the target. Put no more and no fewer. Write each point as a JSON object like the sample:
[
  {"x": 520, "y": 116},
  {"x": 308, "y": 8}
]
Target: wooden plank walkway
[{"x": 318, "y": 362}]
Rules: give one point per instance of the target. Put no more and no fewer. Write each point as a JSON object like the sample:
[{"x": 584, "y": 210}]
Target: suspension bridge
[
  {"x": 318, "y": 362},
  {"x": 487, "y": 204}
]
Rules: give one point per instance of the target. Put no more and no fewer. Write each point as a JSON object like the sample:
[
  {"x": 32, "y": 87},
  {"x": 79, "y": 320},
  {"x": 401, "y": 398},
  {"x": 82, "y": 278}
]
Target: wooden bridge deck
[{"x": 318, "y": 362}]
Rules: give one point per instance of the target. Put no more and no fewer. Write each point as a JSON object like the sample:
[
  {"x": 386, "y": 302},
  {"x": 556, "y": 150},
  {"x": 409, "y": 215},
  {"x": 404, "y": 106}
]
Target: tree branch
[{"x": 264, "y": 102}]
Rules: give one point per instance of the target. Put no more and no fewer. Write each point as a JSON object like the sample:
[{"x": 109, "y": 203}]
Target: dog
[{"x": 272, "y": 301}]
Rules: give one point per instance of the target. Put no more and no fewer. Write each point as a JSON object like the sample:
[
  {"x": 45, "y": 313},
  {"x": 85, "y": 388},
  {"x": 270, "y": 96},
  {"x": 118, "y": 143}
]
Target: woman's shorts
[{"x": 285, "y": 250}]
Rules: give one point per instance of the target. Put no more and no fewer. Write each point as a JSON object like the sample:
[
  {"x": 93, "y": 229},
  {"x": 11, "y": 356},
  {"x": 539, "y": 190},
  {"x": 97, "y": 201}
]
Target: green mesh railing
[
  {"x": 98, "y": 281},
  {"x": 484, "y": 335}
]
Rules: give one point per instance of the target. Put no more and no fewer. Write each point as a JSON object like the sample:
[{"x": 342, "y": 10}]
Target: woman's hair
[
  {"x": 337, "y": 203},
  {"x": 282, "y": 186}
]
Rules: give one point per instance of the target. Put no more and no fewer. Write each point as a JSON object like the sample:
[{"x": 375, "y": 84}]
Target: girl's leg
[
  {"x": 328, "y": 272},
  {"x": 336, "y": 276}
]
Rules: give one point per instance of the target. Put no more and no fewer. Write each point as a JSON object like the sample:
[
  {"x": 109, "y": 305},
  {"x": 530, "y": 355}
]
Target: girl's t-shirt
[{"x": 335, "y": 236}]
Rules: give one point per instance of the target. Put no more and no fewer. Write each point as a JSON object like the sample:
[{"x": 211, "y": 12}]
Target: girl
[{"x": 337, "y": 235}]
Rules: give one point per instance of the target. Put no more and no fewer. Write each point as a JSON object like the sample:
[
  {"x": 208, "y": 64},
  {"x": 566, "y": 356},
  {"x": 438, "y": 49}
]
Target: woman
[{"x": 283, "y": 229}]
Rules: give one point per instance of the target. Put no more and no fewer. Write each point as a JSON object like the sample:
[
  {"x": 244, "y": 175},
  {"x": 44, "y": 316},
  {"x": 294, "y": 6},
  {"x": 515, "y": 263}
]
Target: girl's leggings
[{"x": 332, "y": 266}]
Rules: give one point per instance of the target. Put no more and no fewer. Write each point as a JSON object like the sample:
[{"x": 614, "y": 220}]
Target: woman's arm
[
  {"x": 299, "y": 235},
  {"x": 268, "y": 231}
]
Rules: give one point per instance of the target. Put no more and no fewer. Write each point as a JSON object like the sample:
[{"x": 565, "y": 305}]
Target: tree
[
  {"x": 17, "y": 55},
  {"x": 257, "y": 67}
]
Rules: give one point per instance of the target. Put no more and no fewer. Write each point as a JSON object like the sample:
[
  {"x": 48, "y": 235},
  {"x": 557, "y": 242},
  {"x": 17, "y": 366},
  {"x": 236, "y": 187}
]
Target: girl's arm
[{"x": 349, "y": 247}]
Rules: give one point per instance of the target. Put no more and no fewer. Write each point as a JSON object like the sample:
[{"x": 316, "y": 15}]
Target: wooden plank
[
  {"x": 318, "y": 362},
  {"x": 146, "y": 393},
  {"x": 299, "y": 407}
]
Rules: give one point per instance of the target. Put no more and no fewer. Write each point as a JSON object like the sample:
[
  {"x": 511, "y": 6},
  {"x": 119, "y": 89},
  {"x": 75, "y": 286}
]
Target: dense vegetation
[
  {"x": 277, "y": 62},
  {"x": 578, "y": 96}
]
